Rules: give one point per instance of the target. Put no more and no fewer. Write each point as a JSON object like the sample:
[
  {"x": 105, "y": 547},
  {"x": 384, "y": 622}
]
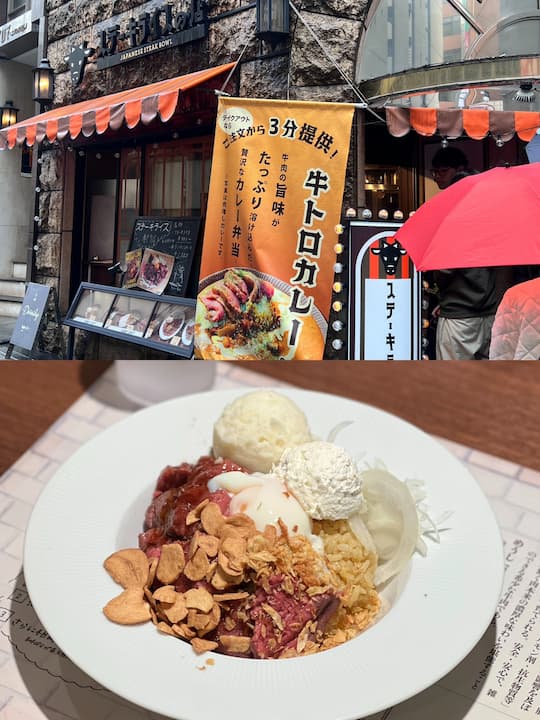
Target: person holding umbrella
[
  {"x": 446, "y": 164},
  {"x": 468, "y": 297},
  {"x": 468, "y": 302},
  {"x": 484, "y": 220}
]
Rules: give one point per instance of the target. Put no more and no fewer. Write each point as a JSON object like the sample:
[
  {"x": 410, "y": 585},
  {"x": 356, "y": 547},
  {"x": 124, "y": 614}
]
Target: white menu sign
[{"x": 16, "y": 28}]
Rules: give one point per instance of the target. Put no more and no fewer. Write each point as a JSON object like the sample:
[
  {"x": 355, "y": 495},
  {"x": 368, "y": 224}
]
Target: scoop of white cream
[{"x": 265, "y": 499}]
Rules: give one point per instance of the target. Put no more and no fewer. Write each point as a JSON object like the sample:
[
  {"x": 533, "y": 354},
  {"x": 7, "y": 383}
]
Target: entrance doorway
[{"x": 101, "y": 193}]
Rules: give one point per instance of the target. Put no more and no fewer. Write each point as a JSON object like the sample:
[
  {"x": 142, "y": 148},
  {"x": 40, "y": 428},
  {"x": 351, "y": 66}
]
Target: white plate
[
  {"x": 167, "y": 336},
  {"x": 95, "y": 504},
  {"x": 188, "y": 332}
]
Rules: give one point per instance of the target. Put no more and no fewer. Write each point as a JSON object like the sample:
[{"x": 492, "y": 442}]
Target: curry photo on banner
[{"x": 267, "y": 268}]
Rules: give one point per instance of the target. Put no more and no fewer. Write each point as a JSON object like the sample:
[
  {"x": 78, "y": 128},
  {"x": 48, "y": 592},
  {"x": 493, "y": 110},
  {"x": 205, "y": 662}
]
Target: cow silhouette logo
[
  {"x": 390, "y": 255},
  {"x": 77, "y": 59}
]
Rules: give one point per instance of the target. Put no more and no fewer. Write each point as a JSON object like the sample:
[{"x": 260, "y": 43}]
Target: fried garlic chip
[
  {"x": 209, "y": 544},
  {"x": 129, "y": 567},
  {"x": 197, "y": 566},
  {"x": 199, "y": 599},
  {"x": 200, "y": 645},
  {"x": 177, "y": 611},
  {"x": 171, "y": 563},
  {"x": 128, "y": 608},
  {"x": 195, "y": 514},
  {"x": 235, "y": 643},
  {"x": 165, "y": 594},
  {"x": 212, "y": 519}
]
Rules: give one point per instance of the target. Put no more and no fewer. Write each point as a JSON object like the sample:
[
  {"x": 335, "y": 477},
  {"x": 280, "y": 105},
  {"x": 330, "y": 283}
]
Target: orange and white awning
[
  {"x": 142, "y": 104},
  {"x": 476, "y": 123}
]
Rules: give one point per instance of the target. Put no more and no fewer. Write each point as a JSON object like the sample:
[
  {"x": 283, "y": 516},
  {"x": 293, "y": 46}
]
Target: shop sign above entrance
[
  {"x": 385, "y": 295},
  {"x": 151, "y": 32}
]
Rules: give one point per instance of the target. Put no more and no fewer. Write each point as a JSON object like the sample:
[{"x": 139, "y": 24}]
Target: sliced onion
[
  {"x": 392, "y": 521},
  {"x": 358, "y": 526},
  {"x": 334, "y": 432}
]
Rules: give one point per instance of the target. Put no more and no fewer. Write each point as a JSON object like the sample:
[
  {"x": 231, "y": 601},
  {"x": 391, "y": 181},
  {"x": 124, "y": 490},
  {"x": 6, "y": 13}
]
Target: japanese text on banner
[{"x": 275, "y": 197}]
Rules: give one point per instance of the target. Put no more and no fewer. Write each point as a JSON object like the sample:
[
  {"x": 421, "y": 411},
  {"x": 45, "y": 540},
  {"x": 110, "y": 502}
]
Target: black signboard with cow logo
[{"x": 385, "y": 295}]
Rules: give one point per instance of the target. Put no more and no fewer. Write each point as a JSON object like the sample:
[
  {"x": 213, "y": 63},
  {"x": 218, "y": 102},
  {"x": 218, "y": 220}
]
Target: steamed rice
[{"x": 354, "y": 569}]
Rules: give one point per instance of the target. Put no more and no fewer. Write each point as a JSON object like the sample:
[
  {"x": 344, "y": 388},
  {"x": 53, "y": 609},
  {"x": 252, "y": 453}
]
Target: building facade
[
  {"x": 21, "y": 26},
  {"x": 392, "y": 56}
]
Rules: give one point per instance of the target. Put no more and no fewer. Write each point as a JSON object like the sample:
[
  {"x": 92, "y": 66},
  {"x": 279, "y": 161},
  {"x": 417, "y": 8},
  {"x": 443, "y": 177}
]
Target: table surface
[
  {"x": 33, "y": 395},
  {"x": 490, "y": 406},
  {"x": 38, "y": 682}
]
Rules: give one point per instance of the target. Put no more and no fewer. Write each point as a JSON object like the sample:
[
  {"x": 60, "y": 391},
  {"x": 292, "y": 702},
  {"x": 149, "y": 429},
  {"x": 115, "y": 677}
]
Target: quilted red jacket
[{"x": 516, "y": 330}]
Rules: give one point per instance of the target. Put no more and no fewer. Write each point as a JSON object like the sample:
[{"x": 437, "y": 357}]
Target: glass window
[
  {"x": 129, "y": 198},
  {"x": 177, "y": 177},
  {"x": 16, "y": 7},
  {"x": 452, "y": 26},
  {"x": 520, "y": 37},
  {"x": 403, "y": 35}
]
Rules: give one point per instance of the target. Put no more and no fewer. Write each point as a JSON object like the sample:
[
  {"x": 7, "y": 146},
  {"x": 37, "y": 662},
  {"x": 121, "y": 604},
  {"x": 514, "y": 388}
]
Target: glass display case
[{"x": 163, "y": 322}]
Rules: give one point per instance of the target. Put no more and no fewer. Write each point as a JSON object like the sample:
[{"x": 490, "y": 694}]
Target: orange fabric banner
[
  {"x": 424, "y": 120},
  {"x": 276, "y": 190}
]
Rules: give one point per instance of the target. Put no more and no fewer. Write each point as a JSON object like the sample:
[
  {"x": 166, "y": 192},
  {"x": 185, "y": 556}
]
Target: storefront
[
  {"x": 109, "y": 155},
  {"x": 146, "y": 152},
  {"x": 455, "y": 72},
  {"x": 451, "y": 73}
]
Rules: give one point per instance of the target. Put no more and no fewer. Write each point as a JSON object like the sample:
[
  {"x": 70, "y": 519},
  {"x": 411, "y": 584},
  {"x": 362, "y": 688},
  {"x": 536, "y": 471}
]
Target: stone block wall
[
  {"x": 301, "y": 69},
  {"x": 48, "y": 247}
]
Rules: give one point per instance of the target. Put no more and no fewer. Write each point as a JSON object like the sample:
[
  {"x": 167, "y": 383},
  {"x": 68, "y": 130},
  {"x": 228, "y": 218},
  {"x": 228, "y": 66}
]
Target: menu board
[
  {"x": 171, "y": 236},
  {"x": 133, "y": 266},
  {"x": 29, "y": 320}
]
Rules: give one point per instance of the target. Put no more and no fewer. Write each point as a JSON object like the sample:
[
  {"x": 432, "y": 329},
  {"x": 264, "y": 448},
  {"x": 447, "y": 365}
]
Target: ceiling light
[{"x": 526, "y": 93}]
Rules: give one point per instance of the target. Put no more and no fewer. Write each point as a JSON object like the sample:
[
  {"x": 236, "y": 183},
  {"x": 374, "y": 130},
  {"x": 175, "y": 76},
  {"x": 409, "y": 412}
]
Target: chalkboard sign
[
  {"x": 29, "y": 320},
  {"x": 171, "y": 235}
]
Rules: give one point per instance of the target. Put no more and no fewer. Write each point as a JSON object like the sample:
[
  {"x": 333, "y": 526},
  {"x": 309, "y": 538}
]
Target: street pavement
[{"x": 6, "y": 328}]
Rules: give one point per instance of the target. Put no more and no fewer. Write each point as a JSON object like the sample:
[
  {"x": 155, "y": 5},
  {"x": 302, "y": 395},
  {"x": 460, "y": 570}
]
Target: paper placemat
[{"x": 500, "y": 678}]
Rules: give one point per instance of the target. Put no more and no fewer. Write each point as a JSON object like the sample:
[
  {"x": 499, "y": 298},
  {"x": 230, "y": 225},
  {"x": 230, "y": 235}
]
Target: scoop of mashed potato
[
  {"x": 256, "y": 428},
  {"x": 323, "y": 478}
]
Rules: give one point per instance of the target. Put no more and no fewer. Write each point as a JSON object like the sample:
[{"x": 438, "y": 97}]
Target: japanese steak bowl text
[{"x": 275, "y": 544}]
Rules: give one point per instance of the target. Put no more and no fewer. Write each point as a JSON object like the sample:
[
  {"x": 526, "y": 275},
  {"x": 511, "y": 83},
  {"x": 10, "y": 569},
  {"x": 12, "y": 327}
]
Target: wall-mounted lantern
[
  {"x": 8, "y": 114},
  {"x": 273, "y": 20},
  {"x": 44, "y": 83}
]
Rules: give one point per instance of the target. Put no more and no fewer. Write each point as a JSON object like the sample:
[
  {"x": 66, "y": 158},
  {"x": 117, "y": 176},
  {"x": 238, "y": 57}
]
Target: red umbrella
[{"x": 484, "y": 220}]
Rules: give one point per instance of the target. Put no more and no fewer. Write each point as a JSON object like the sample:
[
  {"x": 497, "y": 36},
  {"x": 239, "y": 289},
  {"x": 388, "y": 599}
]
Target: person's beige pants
[{"x": 464, "y": 338}]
